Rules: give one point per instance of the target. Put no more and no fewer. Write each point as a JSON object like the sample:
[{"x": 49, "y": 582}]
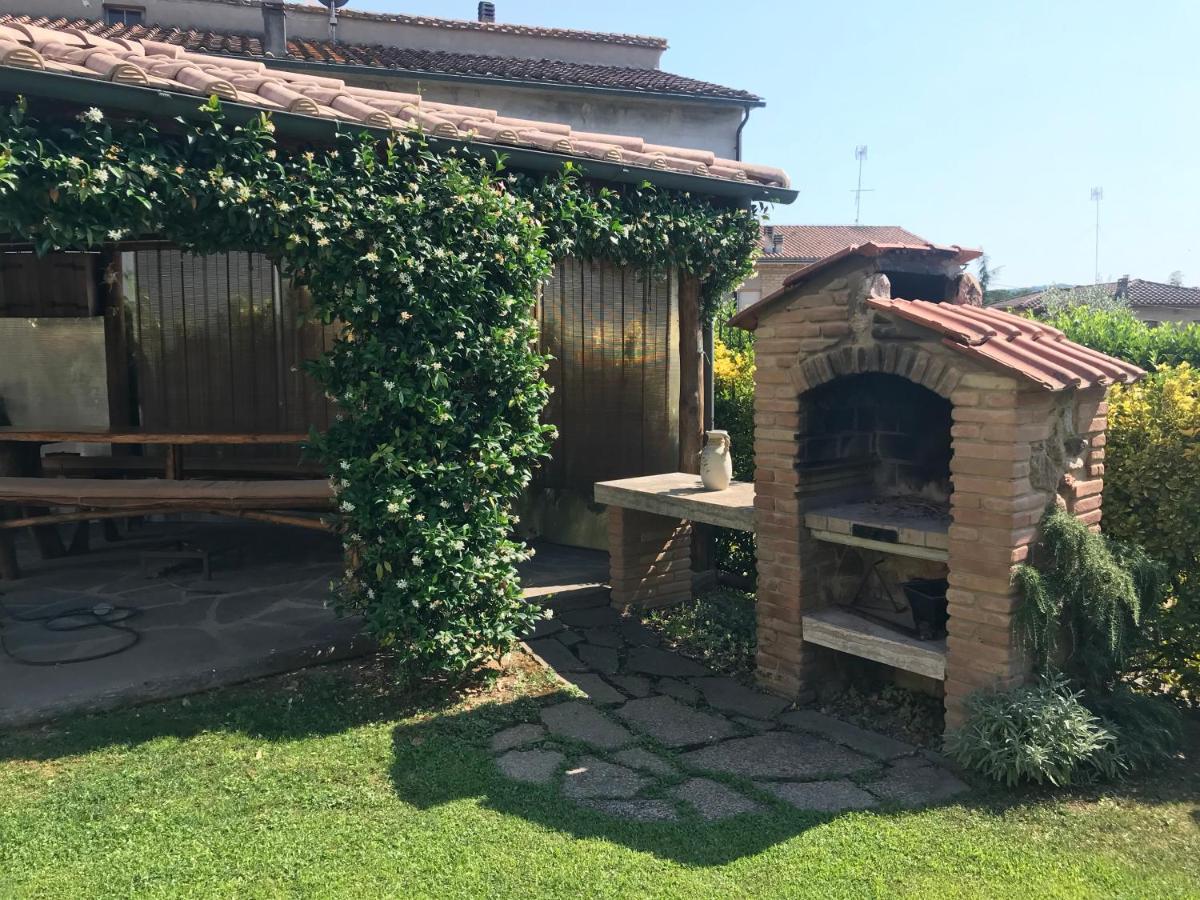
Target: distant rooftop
[
  {"x": 808, "y": 243},
  {"x": 1137, "y": 291}
]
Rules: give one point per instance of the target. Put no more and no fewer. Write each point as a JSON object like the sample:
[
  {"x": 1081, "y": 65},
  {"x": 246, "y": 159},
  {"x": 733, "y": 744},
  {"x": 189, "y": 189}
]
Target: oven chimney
[
  {"x": 487, "y": 12},
  {"x": 274, "y": 29},
  {"x": 777, "y": 243}
]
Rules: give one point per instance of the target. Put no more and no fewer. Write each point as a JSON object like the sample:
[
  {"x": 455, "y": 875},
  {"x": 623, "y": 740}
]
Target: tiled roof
[
  {"x": 1033, "y": 351},
  {"x": 1137, "y": 291},
  {"x": 748, "y": 317},
  {"x": 607, "y": 37},
  {"x": 168, "y": 67},
  {"x": 409, "y": 60},
  {"x": 808, "y": 243}
]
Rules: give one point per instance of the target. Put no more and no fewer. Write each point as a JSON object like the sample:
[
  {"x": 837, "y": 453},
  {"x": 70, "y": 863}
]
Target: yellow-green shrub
[{"x": 1152, "y": 498}]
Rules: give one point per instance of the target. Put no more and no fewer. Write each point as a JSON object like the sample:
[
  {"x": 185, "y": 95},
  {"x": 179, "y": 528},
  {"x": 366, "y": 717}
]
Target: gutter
[
  {"x": 157, "y": 103},
  {"x": 277, "y": 62}
]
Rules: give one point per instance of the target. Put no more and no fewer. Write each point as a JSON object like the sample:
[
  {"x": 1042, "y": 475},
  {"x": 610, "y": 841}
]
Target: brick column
[
  {"x": 651, "y": 559},
  {"x": 995, "y": 510}
]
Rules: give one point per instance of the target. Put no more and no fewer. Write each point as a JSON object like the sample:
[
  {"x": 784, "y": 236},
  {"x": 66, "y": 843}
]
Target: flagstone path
[{"x": 660, "y": 736}]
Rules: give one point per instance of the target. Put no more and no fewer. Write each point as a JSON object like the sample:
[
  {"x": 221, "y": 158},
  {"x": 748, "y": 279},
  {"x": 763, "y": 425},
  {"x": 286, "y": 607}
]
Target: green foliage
[
  {"x": 1038, "y": 733},
  {"x": 1084, "y": 601},
  {"x": 1120, "y": 333},
  {"x": 717, "y": 628},
  {"x": 431, "y": 263},
  {"x": 1148, "y": 728},
  {"x": 733, "y": 411},
  {"x": 1057, "y": 300}
]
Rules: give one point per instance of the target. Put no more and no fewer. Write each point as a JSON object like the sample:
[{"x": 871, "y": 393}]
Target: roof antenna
[
  {"x": 334, "y": 6},
  {"x": 1097, "y": 196},
  {"x": 860, "y": 153}
]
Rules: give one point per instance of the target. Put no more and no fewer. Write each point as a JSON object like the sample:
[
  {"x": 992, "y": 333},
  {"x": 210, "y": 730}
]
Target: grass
[{"x": 329, "y": 784}]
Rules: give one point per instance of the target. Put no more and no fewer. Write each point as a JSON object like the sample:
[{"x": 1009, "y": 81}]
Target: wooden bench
[{"x": 102, "y": 498}]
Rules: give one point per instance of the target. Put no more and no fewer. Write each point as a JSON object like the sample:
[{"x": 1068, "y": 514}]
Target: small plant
[
  {"x": 717, "y": 628},
  {"x": 1039, "y": 733},
  {"x": 1084, "y": 601}
]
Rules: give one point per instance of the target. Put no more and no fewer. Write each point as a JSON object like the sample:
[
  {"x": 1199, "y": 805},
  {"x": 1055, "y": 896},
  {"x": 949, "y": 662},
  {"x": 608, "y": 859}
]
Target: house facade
[
  {"x": 786, "y": 248},
  {"x": 178, "y": 341},
  {"x": 594, "y": 82}
]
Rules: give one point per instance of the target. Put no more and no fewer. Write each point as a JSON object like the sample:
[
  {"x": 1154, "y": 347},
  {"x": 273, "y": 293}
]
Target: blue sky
[{"x": 987, "y": 122}]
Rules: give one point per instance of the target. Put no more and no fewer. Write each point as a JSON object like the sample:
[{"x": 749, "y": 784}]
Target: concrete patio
[{"x": 169, "y": 632}]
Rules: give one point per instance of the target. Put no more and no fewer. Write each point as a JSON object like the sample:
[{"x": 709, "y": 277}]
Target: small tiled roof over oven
[
  {"x": 1023, "y": 347},
  {"x": 412, "y": 61},
  {"x": 168, "y": 67}
]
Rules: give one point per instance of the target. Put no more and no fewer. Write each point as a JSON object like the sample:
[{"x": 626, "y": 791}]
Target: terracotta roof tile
[
  {"x": 1029, "y": 349},
  {"x": 166, "y": 67},
  {"x": 808, "y": 243},
  {"x": 411, "y": 60}
]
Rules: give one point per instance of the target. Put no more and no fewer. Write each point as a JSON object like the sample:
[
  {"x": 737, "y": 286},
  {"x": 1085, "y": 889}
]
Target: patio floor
[{"x": 172, "y": 632}]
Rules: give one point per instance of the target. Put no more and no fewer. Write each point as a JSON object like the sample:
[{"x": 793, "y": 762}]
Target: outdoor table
[{"x": 174, "y": 441}]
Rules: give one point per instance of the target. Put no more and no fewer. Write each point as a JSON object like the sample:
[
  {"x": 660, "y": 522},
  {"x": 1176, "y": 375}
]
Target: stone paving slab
[
  {"x": 653, "y": 661},
  {"x": 779, "y": 754},
  {"x": 517, "y": 736},
  {"x": 732, "y": 696},
  {"x": 641, "y": 758},
  {"x": 597, "y": 689},
  {"x": 604, "y": 637},
  {"x": 915, "y": 785},
  {"x": 821, "y": 796},
  {"x": 531, "y": 766},
  {"x": 583, "y": 722},
  {"x": 544, "y": 628},
  {"x": 640, "y": 810},
  {"x": 557, "y": 656},
  {"x": 590, "y": 777},
  {"x": 569, "y": 637},
  {"x": 605, "y": 660},
  {"x": 870, "y": 742},
  {"x": 591, "y": 617},
  {"x": 634, "y": 685},
  {"x": 714, "y": 800},
  {"x": 670, "y": 722},
  {"x": 680, "y": 690},
  {"x": 635, "y": 632}
]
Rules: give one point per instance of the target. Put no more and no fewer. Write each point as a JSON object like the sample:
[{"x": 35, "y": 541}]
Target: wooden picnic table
[{"x": 174, "y": 441}]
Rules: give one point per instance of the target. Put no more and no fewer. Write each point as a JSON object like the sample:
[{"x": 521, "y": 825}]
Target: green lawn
[{"x": 327, "y": 784}]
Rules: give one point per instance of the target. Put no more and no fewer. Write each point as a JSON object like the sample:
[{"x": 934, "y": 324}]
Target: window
[
  {"x": 124, "y": 15},
  {"x": 747, "y": 298}
]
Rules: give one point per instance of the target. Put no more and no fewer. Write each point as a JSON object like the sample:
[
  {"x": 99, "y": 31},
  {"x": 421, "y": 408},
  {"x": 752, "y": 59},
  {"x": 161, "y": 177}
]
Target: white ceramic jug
[{"x": 716, "y": 461}]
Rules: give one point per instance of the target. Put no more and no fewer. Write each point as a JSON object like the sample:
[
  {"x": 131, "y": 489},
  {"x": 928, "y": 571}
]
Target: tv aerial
[{"x": 333, "y": 6}]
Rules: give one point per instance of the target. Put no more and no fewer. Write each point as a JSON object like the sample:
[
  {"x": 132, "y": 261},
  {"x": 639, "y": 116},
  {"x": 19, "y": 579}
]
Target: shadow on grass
[{"x": 440, "y": 755}]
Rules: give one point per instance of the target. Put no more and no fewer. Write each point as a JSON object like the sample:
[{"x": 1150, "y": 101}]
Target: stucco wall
[
  {"x": 703, "y": 126},
  {"x": 245, "y": 16},
  {"x": 1159, "y": 314}
]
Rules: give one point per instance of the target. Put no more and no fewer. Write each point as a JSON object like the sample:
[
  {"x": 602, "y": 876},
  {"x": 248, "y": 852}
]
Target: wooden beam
[
  {"x": 844, "y": 631},
  {"x": 691, "y": 376}
]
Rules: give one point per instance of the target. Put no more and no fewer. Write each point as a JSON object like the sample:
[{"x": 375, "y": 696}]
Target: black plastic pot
[{"x": 927, "y": 599}]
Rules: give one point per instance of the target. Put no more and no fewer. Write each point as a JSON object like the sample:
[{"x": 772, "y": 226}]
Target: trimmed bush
[
  {"x": 733, "y": 411},
  {"x": 1120, "y": 333}
]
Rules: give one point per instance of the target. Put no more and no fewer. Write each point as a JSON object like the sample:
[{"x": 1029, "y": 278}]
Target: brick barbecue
[{"x": 905, "y": 432}]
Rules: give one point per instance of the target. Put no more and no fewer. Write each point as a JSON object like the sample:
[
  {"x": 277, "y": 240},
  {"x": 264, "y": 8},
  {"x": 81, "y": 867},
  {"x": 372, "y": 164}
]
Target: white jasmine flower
[
  {"x": 371, "y": 256},
  {"x": 436, "y": 366},
  {"x": 347, "y": 506},
  {"x": 393, "y": 507},
  {"x": 389, "y": 385},
  {"x": 92, "y": 114},
  {"x": 405, "y": 316},
  {"x": 324, "y": 242},
  {"x": 370, "y": 593},
  {"x": 419, "y": 517},
  {"x": 460, "y": 334},
  {"x": 346, "y": 464},
  {"x": 417, "y": 561},
  {"x": 283, "y": 206},
  {"x": 445, "y": 504},
  {"x": 228, "y": 183},
  {"x": 414, "y": 602},
  {"x": 402, "y": 583},
  {"x": 116, "y": 234},
  {"x": 148, "y": 169}
]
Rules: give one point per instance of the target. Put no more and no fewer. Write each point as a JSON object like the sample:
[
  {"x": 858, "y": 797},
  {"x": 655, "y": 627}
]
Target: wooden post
[{"x": 691, "y": 376}]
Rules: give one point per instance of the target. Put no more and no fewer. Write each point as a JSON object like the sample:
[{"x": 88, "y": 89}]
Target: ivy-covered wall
[{"x": 431, "y": 261}]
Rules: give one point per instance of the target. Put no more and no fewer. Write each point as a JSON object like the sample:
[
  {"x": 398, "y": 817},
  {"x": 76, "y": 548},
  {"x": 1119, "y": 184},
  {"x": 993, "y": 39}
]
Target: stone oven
[{"x": 908, "y": 442}]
